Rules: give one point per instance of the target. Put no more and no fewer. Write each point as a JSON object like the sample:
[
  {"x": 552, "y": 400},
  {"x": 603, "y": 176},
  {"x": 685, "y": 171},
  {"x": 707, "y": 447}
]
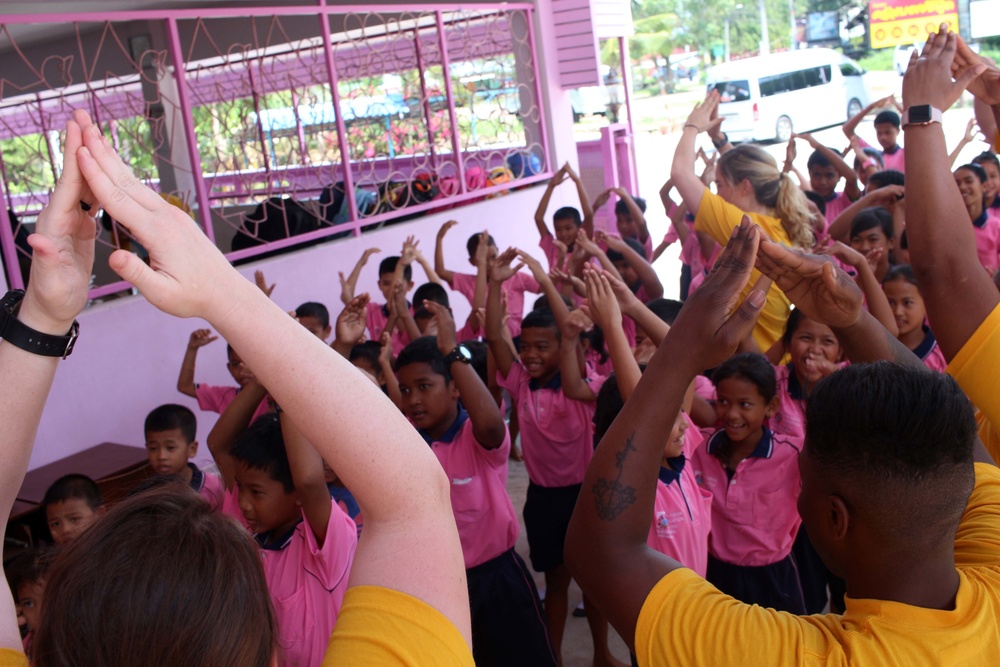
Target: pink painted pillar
[{"x": 456, "y": 140}]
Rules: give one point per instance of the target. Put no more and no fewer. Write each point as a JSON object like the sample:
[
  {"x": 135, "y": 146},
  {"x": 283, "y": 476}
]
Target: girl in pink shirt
[
  {"x": 753, "y": 477},
  {"x": 970, "y": 179},
  {"x": 900, "y": 287}
]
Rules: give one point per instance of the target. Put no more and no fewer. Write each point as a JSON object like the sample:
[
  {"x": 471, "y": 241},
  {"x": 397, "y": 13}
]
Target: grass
[{"x": 878, "y": 61}]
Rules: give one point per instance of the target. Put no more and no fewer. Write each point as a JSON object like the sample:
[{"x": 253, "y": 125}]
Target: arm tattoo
[{"x": 613, "y": 497}]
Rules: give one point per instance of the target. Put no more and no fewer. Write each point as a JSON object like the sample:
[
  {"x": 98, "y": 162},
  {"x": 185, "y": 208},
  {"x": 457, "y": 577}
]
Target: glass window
[
  {"x": 850, "y": 69},
  {"x": 733, "y": 91}
]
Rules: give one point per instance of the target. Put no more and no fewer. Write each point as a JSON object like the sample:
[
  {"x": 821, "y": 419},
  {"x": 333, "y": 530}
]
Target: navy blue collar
[
  {"x": 275, "y": 545},
  {"x": 671, "y": 472},
  {"x": 980, "y": 222},
  {"x": 893, "y": 151},
  {"x": 452, "y": 431},
  {"x": 763, "y": 450},
  {"x": 926, "y": 345},
  {"x": 996, "y": 201},
  {"x": 554, "y": 384},
  {"x": 197, "y": 477},
  {"x": 832, "y": 197},
  {"x": 795, "y": 389}
]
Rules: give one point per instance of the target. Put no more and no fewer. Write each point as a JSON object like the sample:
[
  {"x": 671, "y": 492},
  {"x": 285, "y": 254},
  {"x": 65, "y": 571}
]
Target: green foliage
[{"x": 878, "y": 60}]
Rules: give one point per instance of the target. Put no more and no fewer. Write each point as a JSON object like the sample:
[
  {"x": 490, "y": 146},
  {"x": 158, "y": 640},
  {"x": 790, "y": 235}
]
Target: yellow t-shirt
[
  {"x": 976, "y": 367},
  {"x": 989, "y": 436},
  {"x": 717, "y": 218},
  {"x": 381, "y": 627},
  {"x": 687, "y": 621},
  {"x": 11, "y": 658}
]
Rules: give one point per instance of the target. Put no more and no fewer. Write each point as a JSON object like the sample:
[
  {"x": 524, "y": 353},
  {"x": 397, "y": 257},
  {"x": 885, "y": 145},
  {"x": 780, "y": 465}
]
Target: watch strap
[
  {"x": 457, "y": 355},
  {"x": 931, "y": 114},
  {"x": 22, "y": 336}
]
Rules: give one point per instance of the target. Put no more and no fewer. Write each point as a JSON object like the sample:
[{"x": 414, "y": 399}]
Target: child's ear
[
  {"x": 409, "y": 285},
  {"x": 453, "y": 389},
  {"x": 101, "y": 510},
  {"x": 327, "y": 331},
  {"x": 772, "y": 406},
  {"x": 192, "y": 449}
]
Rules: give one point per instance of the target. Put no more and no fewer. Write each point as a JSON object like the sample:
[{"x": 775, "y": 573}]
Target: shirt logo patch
[{"x": 461, "y": 481}]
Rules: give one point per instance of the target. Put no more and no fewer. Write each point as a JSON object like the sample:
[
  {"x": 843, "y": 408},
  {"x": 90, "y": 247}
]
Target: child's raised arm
[
  {"x": 439, "y": 267},
  {"x": 306, "y": 466},
  {"x": 581, "y": 192},
  {"x": 349, "y": 284},
  {"x": 62, "y": 262},
  {"x": 500, "y": 272},
  {"x": 574, "y": 384},
  {"x": 655, "y": 328},
  {"x": 411, "y": 544},
  {"x": 643, "y": 269},
  {"x": 350, "y": 326},
  {"x": 543, "y": 205},
  {"x": 704, "y": 118},
  {"x": 840, "y": 227},
  {"x": 584, "y": 243},
  {"x": 971, "y": 130},
  {"x": 556, "y": 304},
  {"x": 487, "y": 422},
  {"x": 878, "y": 304},
  {"x": 851, "y": 188},
  {"x": 231, "y": 424},
  {"x": 385, "y": 364},
  {"x": 185, "y": 381},
  {"x": 852, "y": 123},
  {"x": 634, "y": 212},
  {"x": 602, "y": 307}
]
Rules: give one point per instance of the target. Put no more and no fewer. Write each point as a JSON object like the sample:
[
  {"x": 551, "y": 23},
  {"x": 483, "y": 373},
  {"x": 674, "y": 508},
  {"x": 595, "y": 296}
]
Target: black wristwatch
[
  {"x": 721, "y": 142},
  {"x": 20, "y": 335},
  {"x": 460, "y": 353}
]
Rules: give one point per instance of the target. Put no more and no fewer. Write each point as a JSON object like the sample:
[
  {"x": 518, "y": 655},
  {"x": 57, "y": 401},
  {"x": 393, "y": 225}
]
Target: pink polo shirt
[
  {"x": 487, "y": 523},
  {"x": 682, "y": 511},
  {"x": 217, "y": 399},
  {"x": 548, "y": 246},
  {"x": 701, "y": 266},
  {"x": 893, "y": 160},
  {"x": 514, "y": 289},
  {"x": 557, "y": 433},
  {"x": 930, "y": 353},
  {"x": 754, "y": 514},
  {"x": 987, "y": 229},
  {"x": 307, "y": 583},
  {"x": 209, "y": 486},
  {"x": 836, "y": 204},
  {"x": 376, "y": 317}
]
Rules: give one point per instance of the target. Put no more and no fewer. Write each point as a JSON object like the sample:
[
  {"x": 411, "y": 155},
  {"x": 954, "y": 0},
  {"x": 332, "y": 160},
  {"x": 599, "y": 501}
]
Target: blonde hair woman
[{"x": 749, "y": 183}]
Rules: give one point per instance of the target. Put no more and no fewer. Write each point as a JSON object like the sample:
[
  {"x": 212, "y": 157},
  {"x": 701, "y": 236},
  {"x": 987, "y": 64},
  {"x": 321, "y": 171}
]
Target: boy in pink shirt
[
  {"x": 886, "y": 131},
  {"x": 826, "y": 169},
  {"x": 482, "y": 251},
  {"x": 453, "y": 410},
  {"x": 555, "y": 406},
  {"x": 170, "y": 444},
  {"x": 210, "y": 397},
  {"x": 276, "y": 487},
  {"x": 566, "y": 221},
  {"x": 753, "y": 477}
]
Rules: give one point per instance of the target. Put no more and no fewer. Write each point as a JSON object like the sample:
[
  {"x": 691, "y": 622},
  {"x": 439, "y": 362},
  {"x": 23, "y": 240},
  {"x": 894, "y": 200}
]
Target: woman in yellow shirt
[{"x": 749, "y": 183}]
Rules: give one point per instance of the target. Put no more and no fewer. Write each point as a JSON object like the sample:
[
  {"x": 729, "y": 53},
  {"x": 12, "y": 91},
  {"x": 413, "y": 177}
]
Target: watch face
[
  {"x": 920, "y": 114},
  {"x": 464, "y": 353}
]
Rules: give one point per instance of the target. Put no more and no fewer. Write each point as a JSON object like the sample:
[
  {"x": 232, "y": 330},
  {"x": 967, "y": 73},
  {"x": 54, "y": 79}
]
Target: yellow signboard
[{"x": 896, "y": 22}]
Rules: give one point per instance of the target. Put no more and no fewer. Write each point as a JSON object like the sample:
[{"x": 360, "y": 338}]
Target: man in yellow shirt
[{"x": 898, "y": 496}]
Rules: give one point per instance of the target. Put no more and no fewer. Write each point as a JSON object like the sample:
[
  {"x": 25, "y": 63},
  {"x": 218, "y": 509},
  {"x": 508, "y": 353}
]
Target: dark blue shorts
[{"x": 547, "y": 511}]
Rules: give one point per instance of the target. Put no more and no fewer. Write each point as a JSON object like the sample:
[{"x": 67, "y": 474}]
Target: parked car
[{"x": 901, "y": 56}]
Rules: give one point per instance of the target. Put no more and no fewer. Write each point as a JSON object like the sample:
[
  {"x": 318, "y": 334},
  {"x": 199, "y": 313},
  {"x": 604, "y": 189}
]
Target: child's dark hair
[
  {"x": 478, "y": 350},
  {"x": 30, "y": 567},
  {"x": 229, "y": 350},
  {"x": 872, "y": 153},
  {"x": 817, "y": 159},
  {"x": 666, "y": 309},
  {"x": 314, "y": 309},
  {"x": 904, "y": 243},
  {"x": 621, "y": 208},
  {"x": 887, "y": 117},
  {"x": 367, "y": 351},
  {"x": 750, "y": 367},
  {"x": 473, "y": 243},
  {"x": 262, "y": 447},
  {"x": 987, "y": 157},
  {"x": 430, "y": 292},
  {"x": 880, "y": 179},
  {"x": 901, "y": 272},
  {"x": 541, "y": 318},
  {"x": 976, "y": 169},
  {"x": 170, "y": 416},
  {"x": 542, "y": 303},
  {"x": 69, "y": 487},
  {"x": 388, "y": 265},
  {"x": 595, "y": 339},
  {"x": 817, "y": 199},
  {"x": 631, "y": 243},
  {"x": 568, "y": 213},
  {"x": 873, "y": 216},
  {"x": 424, "y": 351},
  {"x": 609, "y": 404},
  {"x": 795, "y": 318}
]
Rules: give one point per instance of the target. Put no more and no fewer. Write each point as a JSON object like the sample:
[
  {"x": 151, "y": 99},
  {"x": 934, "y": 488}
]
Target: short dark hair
[
  {"x": 873, "y": 216},
  {"x": 976, "y": 169},
  {"x": 817, "y": 199},
  {"x": 314, "y": 309},
  {"x": 751, "y": 367},
  {"x": 430, "y": 292},
  {"x": 901, "y": 272},
  {"x": 478, "y": 349},
  {"x": 388, "y": 265},
  {"x": 30, "y": 567},
  {"x": 606, "y": 408},
  {"x": 631, "y": 243},
  {"x": 880, "y": 179},
  {"x": 473, "y": 243},
  {"x": 987, "y": 157},
  {"x": 568, "y": 213},
  {"x": 817, "y": 159},
  {"x": 262, "y": 447},
  {"x": 621, "y": 208},
  {"x": 666, "y": 309},
  {"x": 116, "y": 595},
  {"x": 368, "y": 351},
  {"x": 73, "y": 486},
  {"x": 901, "y": 438},
  {"x": 541, "y": 318},
  {"x": 795, "y": 317},
  {"x": 171, "y": 416},
  {"x": 871, "y": 152},
  {"x": 887, "y": 117},
  {"x": 424, "y": 351},
  {"x": 542, "y": 303}
]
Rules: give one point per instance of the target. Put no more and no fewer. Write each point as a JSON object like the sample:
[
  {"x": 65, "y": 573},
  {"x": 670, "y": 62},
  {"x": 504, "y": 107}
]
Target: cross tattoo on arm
[{"x": 611, "y": 496}]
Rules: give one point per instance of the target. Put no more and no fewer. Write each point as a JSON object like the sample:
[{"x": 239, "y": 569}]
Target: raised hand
[
  {"x": 713, "y": 322},
  {"x": 612, "y": 241},
  {"x": 823, "y": 292},
  {"x": 444, "y": 323},
  {"x": 576, "y": 323},
  {"x": 986, "y": 86},
  {"x": 704, "y": 117},
  {"x": 627, "y": 300},
  {"x": 201, "y": 338},
  {"x": 258, "y": 277},
  {"x": 602, "y": 305},
  {"x": 928, "y": 79},
  {"x": 602, "y": 199},
  {"x": 790, "y": 154},
  {"x": 536, "y": 268},
  {"x": 971, "y": 130},
  {"x": 350, "y": 325},
  {"x": 409, "y": 251},
  {"x": 501, "y": 270},
  {"x": 483, "y": 248},
  {"x": 445, "y": 227},
  {"x": 63, "y": 244},
  {"x": 583, "y": 242}
]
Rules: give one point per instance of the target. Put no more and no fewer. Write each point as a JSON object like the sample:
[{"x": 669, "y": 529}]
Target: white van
[{"x": 769, "y": 97}]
